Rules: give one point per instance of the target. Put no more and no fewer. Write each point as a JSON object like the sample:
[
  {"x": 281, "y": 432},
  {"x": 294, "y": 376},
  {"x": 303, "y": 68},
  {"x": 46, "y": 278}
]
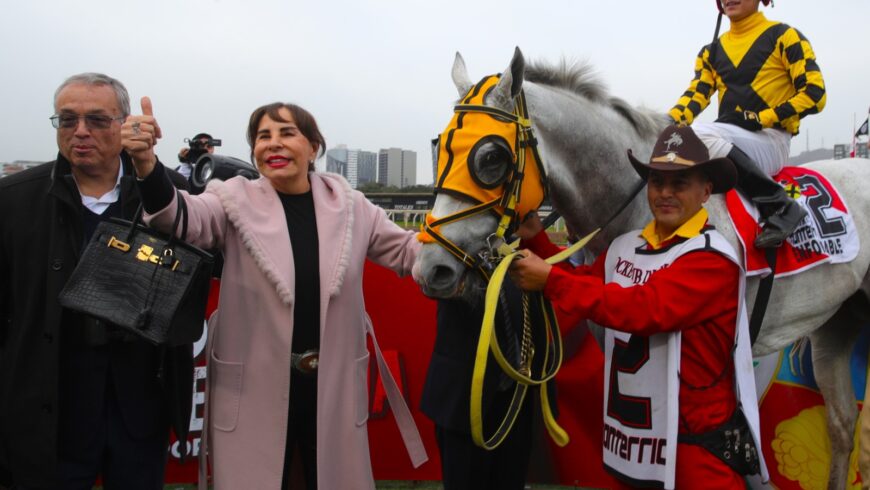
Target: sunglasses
[{"x": 92, "y": 121}]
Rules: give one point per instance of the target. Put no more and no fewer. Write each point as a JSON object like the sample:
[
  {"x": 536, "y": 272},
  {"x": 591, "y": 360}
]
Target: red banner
[{"x": 792, "y": 412}]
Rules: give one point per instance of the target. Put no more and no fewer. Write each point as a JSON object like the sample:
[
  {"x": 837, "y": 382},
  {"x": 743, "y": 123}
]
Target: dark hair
[
  {"x": 202, "y": 135},
  {"x": 303, "y": 119}
]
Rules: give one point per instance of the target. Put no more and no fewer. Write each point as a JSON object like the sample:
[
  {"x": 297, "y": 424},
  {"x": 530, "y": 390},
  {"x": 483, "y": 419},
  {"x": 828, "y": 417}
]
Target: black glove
[{"x": 747, "y": 120}]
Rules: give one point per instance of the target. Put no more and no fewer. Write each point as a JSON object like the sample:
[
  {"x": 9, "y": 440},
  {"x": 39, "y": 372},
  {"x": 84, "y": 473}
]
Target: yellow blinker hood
[{"x": 466, "y": 128}]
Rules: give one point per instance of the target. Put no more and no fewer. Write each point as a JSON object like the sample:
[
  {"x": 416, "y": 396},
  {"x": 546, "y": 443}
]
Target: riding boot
[{"x": 780, "y": 214}]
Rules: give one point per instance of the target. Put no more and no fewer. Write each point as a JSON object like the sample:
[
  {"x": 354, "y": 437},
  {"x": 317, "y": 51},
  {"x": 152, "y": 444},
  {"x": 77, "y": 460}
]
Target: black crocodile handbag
[{"x": 148, "y": 283}]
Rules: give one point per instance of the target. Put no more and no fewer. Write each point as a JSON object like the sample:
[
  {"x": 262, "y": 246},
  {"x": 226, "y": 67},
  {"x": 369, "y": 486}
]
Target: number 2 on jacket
[{"x": 629, "y": 358}]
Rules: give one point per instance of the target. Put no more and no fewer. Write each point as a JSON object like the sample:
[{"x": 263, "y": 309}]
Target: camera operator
[{"x": 199, "y": 145}]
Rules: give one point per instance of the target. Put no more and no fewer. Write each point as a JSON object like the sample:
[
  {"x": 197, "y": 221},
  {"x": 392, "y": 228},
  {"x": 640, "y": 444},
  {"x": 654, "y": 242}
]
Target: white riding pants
[{"x": 769, "y": 147}]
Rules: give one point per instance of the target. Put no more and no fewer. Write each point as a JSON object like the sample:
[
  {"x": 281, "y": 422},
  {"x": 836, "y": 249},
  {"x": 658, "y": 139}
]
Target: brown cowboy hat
[{"x": 679, "y": 148}]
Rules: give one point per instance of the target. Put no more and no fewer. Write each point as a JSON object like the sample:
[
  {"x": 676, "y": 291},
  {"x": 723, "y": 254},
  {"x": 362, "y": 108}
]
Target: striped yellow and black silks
[{"x": 761, "y": 66}]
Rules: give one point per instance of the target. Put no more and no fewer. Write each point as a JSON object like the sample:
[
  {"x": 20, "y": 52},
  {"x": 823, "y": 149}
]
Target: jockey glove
[{"x": 747, "y": 120}]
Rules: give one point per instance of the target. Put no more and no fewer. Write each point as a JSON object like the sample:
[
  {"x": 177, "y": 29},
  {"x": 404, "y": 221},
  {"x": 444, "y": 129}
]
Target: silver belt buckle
[{"x": 307, "y": 362}]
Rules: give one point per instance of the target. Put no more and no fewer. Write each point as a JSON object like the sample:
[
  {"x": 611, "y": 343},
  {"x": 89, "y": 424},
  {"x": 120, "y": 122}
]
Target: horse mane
[{"x": 581, "y": 79}]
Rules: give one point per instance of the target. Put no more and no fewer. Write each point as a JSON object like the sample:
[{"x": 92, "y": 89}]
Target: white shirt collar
[{"x": 98, "y": 205}]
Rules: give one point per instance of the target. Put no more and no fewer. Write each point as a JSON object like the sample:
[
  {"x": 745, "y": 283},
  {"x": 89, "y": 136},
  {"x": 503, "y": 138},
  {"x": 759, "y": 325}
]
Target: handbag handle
[{"x": 180, "y": 215}]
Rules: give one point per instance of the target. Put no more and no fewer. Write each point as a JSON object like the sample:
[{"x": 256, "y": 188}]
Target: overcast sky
[{"x": 374, "y": 73}]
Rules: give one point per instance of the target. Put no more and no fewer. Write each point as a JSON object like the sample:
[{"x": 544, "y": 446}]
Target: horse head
[{"x": 489, "y": 176}]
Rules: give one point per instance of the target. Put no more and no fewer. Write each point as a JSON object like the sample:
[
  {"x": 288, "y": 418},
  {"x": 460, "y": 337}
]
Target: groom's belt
[{"x": 731, "y": 442}]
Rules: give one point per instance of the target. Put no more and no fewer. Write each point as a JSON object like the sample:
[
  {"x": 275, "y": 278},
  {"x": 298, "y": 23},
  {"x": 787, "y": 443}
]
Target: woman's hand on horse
[{"x": 530, "y": 272}]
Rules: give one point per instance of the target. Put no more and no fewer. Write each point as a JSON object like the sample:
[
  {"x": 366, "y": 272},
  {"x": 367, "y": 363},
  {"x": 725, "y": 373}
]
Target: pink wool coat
[{"x": 250, "y": 334}]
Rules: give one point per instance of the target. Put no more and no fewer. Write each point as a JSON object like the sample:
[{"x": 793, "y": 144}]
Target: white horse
[{"x": 583, "y": 134}]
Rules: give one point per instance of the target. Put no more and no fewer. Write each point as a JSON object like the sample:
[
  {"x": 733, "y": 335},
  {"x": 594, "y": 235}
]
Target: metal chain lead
[
  {"x": 527, "y": 351},
  {"x": 510, "y": 342}
]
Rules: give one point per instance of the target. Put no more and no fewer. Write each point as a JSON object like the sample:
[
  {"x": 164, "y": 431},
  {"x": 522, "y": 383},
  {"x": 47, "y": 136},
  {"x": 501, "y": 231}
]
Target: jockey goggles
[{"x": 518, "y": 191}]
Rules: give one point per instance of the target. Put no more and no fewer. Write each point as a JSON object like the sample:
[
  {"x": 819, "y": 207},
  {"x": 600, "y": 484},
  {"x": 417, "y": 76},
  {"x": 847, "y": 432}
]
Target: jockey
[
  {"x": 767, "y": 78},
  {"x": 679, "y": 383}
]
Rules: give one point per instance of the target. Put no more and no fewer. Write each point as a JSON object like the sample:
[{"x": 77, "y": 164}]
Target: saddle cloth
[{"x": 826, "y": 235}]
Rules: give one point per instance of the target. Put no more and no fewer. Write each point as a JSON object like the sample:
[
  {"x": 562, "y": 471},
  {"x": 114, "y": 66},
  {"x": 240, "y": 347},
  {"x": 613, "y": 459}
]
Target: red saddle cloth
[{"x": 826, "y": 235}]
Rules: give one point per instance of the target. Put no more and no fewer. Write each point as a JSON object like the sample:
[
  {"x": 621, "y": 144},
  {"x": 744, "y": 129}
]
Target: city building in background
[
  {"x": 397, "y": 167},
  {"x": 367, "y": 167},
  {"x": 357, "y": 166},
  {"x": 336, "y": 161}
]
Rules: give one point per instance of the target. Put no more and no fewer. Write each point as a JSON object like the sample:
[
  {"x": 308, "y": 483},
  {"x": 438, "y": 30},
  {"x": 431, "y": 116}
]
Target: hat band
[{"x": 673, "y": 158}]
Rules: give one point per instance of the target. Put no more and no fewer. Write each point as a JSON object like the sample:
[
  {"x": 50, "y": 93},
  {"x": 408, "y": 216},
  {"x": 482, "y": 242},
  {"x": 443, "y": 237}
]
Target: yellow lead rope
[{"x": 489, "y": 342}]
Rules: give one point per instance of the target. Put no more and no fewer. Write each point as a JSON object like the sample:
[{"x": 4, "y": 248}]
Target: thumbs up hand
[{"x": 139, "y": 134}]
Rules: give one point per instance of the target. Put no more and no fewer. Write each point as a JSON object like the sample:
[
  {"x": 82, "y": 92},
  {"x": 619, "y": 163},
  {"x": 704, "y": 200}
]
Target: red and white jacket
[{"x": 696, "y": 294}]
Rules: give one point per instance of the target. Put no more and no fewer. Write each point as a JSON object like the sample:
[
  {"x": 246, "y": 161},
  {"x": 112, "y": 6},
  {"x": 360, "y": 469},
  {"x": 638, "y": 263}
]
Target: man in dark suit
[
  {"x": 78, "y": 398},
  {"x": 446, "y": 400}
]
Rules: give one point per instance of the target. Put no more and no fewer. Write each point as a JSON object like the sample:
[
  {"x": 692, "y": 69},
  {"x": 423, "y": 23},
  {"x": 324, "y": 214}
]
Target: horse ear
[
  {"x": 511, "y": 81},
  {"x": 460, "y": 76}
]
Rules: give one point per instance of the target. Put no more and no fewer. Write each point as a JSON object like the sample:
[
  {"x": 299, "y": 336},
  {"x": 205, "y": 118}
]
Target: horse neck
[{"x": 583, "y": 145}]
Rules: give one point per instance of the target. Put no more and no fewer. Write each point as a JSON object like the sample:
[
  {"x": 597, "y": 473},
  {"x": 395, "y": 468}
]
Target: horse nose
[
  {"x": 442, "y": 278},
  {"x": 439, "y": 273}
]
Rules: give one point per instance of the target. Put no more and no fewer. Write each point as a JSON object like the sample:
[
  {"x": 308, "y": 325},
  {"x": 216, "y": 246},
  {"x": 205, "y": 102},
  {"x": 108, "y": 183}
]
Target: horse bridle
[
  {"x": 505, "y": 206},
  {"x": 493, "y": 261}
]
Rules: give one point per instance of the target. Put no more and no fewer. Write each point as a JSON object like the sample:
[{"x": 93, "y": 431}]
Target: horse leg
[{"x": 832, "y": 348}]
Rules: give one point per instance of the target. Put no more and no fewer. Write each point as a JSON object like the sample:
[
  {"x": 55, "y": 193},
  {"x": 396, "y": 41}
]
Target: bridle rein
[{"x": 511, "y": 198}]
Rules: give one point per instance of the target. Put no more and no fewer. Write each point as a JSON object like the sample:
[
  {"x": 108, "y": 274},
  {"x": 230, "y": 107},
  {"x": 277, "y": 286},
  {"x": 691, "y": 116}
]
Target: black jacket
[
  {"x": 41, "y": 239},
  {"x": 447, "y": 391}
]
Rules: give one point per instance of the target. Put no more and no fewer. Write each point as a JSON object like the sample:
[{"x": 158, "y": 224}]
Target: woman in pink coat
[{"x": 287, "y": 347}]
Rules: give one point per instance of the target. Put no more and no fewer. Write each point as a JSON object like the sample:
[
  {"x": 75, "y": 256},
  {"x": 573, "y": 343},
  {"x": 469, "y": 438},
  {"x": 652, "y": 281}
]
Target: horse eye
[{"x": 489, "y": 162}]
